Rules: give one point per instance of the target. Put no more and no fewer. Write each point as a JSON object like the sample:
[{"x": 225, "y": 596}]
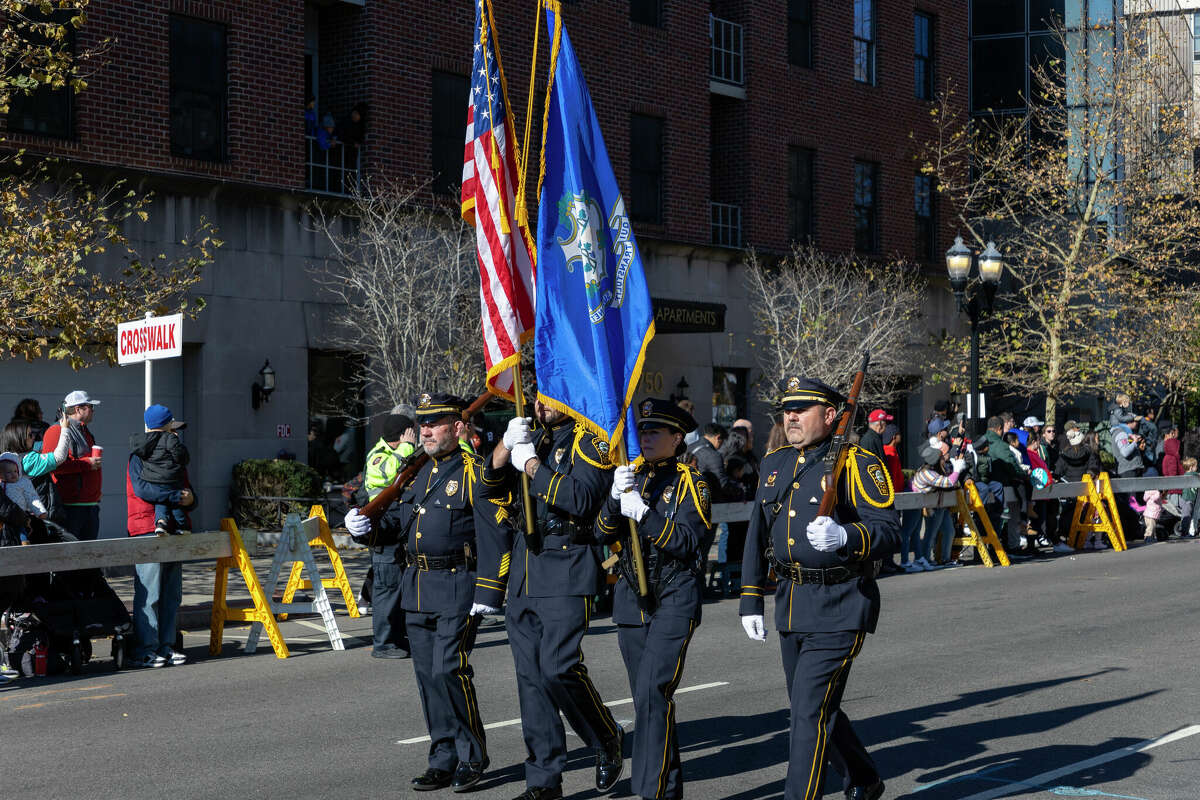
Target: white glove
[
  {"x": 826, "y": 535},
  {"x": 633, "y": 506},
  {"x": 755, "y": 627},
  {"x": 958, "y": 464},
  {"x": 356, "y": 523},
  {"x": 522, "y": 452},
  {"x": 478, "y": 609},
  {"x": 622, "y": 481},
  {"x": 518, "y": 432}
]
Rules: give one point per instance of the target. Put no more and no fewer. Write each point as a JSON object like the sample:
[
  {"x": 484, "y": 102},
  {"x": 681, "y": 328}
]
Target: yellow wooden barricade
[
  {"x": 1096, "y": 512},
  {"x": 339, "y": 581},
  {"x": 972, "y": 515},
  {"x": 259, "y": 612}
]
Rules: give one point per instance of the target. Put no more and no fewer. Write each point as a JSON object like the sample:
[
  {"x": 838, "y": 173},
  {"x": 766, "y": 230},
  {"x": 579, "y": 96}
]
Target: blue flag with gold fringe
[{"x": 594, "y": 318}]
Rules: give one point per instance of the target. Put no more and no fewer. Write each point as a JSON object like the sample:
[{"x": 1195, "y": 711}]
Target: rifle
[
  {"x": 388, "y": 496},
  {"x": 839, "y": 450}
]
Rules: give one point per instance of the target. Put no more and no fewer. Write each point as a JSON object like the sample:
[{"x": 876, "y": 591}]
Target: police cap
[
  {"x": 432, "y": 407},
  {"x": 655, "y": 413},
  {"x": 797, "y": 393}
]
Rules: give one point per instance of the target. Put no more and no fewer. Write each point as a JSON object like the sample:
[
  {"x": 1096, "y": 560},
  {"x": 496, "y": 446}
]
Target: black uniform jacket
[
  {"x": 789, "y": 494},
  {"x": 441, "y": 512},
  {"x": 562, "y": 559},
  {"x": 671, "y": 531}
]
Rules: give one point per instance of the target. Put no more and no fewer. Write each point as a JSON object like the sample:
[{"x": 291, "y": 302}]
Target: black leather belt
[
  {"x": 425, "y": 563},
  {"x": 829, "y": 576}
]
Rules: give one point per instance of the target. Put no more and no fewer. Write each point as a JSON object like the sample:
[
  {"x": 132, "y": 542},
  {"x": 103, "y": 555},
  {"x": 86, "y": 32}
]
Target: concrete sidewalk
[{"x": 199, "y": 577}]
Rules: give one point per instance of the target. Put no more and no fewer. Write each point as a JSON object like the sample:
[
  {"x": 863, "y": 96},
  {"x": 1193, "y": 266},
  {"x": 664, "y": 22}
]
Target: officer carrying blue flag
[{"x": 593, "y": 324}]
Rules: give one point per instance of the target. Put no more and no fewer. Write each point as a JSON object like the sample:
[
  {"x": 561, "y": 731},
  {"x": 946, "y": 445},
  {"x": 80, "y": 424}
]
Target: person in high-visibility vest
[{"x": 387, "y": 458}]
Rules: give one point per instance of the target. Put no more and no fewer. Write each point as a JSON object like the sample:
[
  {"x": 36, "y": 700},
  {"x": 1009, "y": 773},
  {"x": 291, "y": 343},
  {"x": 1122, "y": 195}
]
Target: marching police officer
[
  {"x": 385, "y": 461},
  {"x": 454, "y": 550},
  {"x": 669, "y": 502},
  {"x": 553, "y": 577},
  {"x": 826, "y": 600}
]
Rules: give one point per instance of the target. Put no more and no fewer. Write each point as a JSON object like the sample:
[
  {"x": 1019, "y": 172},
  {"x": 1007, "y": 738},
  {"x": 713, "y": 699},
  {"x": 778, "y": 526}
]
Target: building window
[
  {"x": 44, "y": 111},
  {"x": 450, "y": 93},
  {"x": 646, "y": 167},
  {"x": 800, "y": 33},
  {"x": 198, "y": 75},
  {"x": 800, "y": 194},
  {"x": 647, "y": 12},
  {"x": 926, "y": 227},
  {"x": 923, "y": 56},
  {"x": 864, "y": 41},
  {"x": 1196, "y": 35},
  {"x": 866, "y": 207}
]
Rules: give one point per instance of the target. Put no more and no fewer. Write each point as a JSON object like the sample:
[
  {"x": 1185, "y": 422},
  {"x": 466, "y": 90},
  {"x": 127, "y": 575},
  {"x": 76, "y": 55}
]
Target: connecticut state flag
[{"x": 594, "y": 318}]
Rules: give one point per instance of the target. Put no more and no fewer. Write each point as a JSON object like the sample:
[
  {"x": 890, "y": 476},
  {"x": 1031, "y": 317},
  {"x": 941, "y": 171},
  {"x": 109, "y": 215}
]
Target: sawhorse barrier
[
  {"x": 970, "y": 517},
  {"x": 339, "y": 581}
]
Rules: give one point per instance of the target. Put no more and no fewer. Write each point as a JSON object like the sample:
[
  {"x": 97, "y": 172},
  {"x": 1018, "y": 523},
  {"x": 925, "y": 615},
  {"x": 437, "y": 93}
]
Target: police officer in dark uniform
[
  {"x": 554, "y": 574},
  {"x": 669, "y": 502},
  {"x": 826, "y": 600},
  {"x": 455, "y": 542}
]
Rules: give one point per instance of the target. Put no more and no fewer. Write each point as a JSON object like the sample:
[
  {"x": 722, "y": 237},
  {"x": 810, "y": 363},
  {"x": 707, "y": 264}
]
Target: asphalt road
[{"x": 1058, "y": 677}]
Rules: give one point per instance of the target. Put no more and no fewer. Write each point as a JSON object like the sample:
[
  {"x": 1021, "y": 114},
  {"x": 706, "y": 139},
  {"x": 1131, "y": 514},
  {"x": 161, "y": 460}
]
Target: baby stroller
[{"x": 62, "y": 612}]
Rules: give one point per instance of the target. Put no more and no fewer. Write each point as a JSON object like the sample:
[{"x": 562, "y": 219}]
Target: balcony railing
[
  {"x": 726, "y": 51},
  {"x": 726, "y": 225},
  {"x": 335, "y": 170}
]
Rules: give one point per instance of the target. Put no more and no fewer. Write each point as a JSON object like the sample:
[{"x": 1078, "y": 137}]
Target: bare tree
[
  {"x": 405, "y": 283},
  {"x": 815, "y": 313},
  {"x": 1090, "y": 193}
]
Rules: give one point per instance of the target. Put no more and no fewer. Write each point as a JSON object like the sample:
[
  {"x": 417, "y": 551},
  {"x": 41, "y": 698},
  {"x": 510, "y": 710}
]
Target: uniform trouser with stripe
[
  {"x": 816, "y": 666},
  {"x": 546, "y": 634},
  {"x": 441, "y": 644},
  {"x": 654, "y": 654}
]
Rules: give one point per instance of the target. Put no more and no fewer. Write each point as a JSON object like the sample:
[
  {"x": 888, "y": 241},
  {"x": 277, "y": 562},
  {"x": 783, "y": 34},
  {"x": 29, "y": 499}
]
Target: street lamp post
[{"x": 971, "y": 300}]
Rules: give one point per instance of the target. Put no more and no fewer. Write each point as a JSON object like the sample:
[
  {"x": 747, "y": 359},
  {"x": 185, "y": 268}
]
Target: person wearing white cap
[{"x": 79, "y": 478}]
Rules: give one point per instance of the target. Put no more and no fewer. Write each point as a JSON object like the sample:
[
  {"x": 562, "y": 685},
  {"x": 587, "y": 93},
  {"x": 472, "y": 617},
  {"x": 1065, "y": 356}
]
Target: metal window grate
[
  {"x": 726, "y": 225},
  {"x": 725, "y": 38},
  {"x": 335, "y": 170}
]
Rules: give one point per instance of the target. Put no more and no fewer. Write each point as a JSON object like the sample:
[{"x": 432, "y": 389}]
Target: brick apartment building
[{"x": 730, "y": 123}]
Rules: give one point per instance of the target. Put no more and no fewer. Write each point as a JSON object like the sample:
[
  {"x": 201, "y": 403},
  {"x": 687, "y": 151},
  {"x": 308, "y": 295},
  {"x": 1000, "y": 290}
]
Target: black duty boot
[
  {"x": 432, "y": 779},
  {"x": 872, "y": 792},
  {"x": 468, "y": 774},
  {"x": 610, "y": 762}
]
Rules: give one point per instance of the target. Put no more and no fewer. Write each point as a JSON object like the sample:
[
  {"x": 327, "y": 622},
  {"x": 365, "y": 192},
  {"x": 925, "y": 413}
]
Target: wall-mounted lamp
[
  {"x": 260, "y": 390},
  {"x": 680, "y": 390}
]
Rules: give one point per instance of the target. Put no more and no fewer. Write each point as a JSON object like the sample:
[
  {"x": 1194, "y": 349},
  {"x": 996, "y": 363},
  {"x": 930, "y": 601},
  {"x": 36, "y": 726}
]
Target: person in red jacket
[
  {"x": 79, "y": 477},
  {"x": 157, "y": 588}
]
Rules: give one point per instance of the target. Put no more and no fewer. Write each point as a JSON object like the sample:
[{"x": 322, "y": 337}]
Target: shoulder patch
[
  {"x": 591, "y": 448},
  {"x": 870, "y": 480}
]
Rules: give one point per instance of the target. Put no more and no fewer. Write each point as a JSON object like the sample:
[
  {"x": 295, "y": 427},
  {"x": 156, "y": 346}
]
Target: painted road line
[
  {"x": 506, "y": 723},
  {"x": 44, "y": 692},
  {"x": 69, "y": 700},
  {"x": 1045, "y": 777}
]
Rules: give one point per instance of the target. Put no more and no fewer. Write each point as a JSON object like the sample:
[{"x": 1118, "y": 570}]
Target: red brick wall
[
  {"x": 386, "y": 52},
  {"x": 123, "y": 117}
]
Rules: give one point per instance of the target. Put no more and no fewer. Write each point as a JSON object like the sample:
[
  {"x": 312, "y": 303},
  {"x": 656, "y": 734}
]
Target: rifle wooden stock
[
  {"x": 388, "y": 496},
  {"x": 839, "y": 451}
]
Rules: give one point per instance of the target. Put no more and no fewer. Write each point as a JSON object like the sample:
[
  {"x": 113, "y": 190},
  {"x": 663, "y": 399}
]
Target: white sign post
[{"x": 149, "y": 339}]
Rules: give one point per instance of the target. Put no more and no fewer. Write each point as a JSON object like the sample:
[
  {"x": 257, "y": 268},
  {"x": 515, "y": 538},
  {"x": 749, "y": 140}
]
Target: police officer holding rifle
[
  {"x": 455, "y": 545},
  {"x": 823, "y": 518}
]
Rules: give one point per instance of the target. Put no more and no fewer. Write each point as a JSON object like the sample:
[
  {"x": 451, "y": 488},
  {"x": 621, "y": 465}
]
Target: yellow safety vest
[{"x": 383, "y": 464}]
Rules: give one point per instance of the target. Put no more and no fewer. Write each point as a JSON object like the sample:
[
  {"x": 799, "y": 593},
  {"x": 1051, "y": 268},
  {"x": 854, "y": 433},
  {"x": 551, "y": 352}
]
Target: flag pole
[
  {"x": 523, "y": 167},
  {"x": 636, "y": 556},
  {"x": 519, "y": 395}
]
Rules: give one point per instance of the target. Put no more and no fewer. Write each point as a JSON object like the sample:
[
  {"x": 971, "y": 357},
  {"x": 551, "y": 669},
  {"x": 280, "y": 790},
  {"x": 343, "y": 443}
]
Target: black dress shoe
[
  {"x": 610, "y": 762},
  {"x": 872, "y": 792},
  {"x": 468, "y": 774},
  {"x": 540, "y": 793},
  {"x": 432, "y": 779}
]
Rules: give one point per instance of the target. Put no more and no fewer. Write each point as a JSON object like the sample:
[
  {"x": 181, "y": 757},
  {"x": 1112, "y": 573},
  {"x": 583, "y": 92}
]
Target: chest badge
[
  {"x": 451, "y": 488},
  {"x": 771, "y": 478},
  {"x": 668, "y": 494},
  {"x": 824, "y": 482},
  {"x": 558, "y": 455}
]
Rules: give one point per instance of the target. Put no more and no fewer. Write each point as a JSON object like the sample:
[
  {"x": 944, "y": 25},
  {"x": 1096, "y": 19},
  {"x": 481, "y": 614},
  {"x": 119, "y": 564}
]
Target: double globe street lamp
[{"x": 975, "y": 299}]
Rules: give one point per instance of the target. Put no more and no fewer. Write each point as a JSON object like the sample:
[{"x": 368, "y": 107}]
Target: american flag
[{"x": 502, "y": 243}]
